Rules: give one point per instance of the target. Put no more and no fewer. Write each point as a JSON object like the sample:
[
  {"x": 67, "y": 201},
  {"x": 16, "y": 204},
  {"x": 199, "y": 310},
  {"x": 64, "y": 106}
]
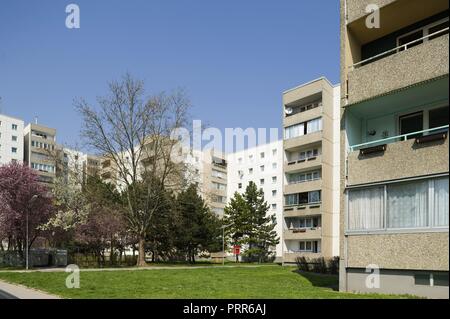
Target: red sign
[{"x": 236, "y": 249}]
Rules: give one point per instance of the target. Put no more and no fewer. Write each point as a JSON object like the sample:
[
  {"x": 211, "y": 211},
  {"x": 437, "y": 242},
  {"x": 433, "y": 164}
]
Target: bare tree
[{"x": 133, "y": 134}]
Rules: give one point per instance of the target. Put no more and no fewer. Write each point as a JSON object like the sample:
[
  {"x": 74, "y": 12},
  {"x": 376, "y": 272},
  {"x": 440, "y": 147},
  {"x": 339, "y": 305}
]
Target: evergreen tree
[
  {"x": 199, "y": 228},
  {"x": 250, "y": 224}
]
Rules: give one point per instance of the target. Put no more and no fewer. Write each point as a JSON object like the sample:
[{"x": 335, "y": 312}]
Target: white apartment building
[
  {"x": 263, "y": 165},
  {"x": 11, "y": 139}
]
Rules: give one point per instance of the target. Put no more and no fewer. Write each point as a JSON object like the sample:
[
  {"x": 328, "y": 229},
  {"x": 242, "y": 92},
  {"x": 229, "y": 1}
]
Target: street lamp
[
  {"x": 223, "y": 243},
  {"x": 27, "y": 237}
]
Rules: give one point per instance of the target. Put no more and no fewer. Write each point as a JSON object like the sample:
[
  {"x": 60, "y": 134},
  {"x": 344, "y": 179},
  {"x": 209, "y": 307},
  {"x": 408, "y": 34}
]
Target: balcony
[
  {"x": 302, "y": 187},
  {"x": 303, "y": 140},
  {"x": 399, "y": 157},
  {"x": 302, "y": 233},
  {"x": 299, "y": 117},
  {"x": 398, "y": 68},
  {"x": 302, "y": 210},
  {"x": 303, "y": 165},
  {"x": 291, "y": 256}
]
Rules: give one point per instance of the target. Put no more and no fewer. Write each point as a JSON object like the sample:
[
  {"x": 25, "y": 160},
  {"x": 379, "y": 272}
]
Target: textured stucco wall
[
  {"x": 400, "y": 160},
  {"x": 400, "y": 70},
  {"x": 423, "y": 251}
]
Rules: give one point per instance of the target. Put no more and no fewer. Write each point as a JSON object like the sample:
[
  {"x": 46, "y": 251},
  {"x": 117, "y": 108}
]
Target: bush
[
  {"x": 318, "y": 265},
  {"x": 302, "y": 263}
]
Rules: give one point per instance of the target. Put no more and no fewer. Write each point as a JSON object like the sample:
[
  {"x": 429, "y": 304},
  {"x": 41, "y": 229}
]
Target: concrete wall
[
  {"x": 400, "y": 160},
  {"x": 399, "y": 251},
  {"x": 400, "y": 70},
  {"x": 394, "y": 282}
]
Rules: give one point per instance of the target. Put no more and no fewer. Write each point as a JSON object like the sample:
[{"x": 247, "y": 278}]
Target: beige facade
[
  {"x": 40, "y": 151},
  {"x": 394, "y": 148},
  {"x": 311, "y": 171}
]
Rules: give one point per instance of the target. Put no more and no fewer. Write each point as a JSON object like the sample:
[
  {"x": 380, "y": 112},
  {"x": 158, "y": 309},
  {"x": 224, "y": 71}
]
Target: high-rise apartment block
[
  {"x": 311, "y": 171},
  {"x": 394, "y": 147},
  {"x": 11, "y": 139}
]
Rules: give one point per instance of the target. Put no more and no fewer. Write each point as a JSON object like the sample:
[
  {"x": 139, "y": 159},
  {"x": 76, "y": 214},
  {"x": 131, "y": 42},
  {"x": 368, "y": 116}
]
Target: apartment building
[
  {"x": 394, "y": 148},
  {"x": 77, "y": 166},
  {"x": 263, "y": 166},
  {"x": 11, "y": 139},
  {"x": 40, "y": 151},
  {"x": 311, "y": 171},
  {"x": 209, "y": 169}
]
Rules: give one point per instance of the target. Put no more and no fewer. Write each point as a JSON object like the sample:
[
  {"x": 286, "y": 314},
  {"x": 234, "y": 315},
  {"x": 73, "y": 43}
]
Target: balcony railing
[
  {"x": 397, "y": 138},
  {"x": 402, "y": 47}
]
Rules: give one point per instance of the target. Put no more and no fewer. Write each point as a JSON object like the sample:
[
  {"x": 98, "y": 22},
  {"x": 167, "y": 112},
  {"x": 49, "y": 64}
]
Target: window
[
  {"x": 274, "y": 152},
  {"x": 14, "y": 127},
  {"x": 413, "y": 204},
  {"x": 366, "y": 207},
  {"x": 303, "y": 177},
  {"x": 438, "y": 117},
  {"x": 409, "y": 38},
  {"x": 219, "y": 186},
  {"x": 274, "y": 192},
  {"x": 274, "y": 206},
  {"x": 250, "y": 170},
  {"x": 302, "y": 198},
  {"x": 423, "y": 32},
  {"x": 408, "y": 205},
  {"x": 261, "y": 168},
  {"x": 314, "y": 197},
  {"x": 274, "y": 179},
  {"x": 14, "y": 150},
  {"x": 274, "y": 165},
  {"x": 294, "y": 131},
  {"x": 411, "y": 123},
  {"x": 440, "y": 280},
  {"x": 239, "y": 185},
  {"x": 436, "y": 28},
  {"x": 262, "y": 155},
  {"x": 309, "y": 246},
  {"x": 314, "y": 126},
  {"x": 14, "y": 138},
  {"x": 422, "y": 279},
  {"x": 261, "y": 181}
]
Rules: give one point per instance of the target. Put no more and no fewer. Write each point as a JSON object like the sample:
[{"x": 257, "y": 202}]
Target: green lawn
[{"x": 240, "y": 282}]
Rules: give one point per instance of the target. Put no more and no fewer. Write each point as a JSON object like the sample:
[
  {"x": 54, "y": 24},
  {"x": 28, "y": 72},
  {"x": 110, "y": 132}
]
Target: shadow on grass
[{"x": 320, "y": 280}]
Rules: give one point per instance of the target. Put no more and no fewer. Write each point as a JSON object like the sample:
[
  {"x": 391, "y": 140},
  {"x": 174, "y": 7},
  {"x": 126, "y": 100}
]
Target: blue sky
[{"x": 233, "y": 57}]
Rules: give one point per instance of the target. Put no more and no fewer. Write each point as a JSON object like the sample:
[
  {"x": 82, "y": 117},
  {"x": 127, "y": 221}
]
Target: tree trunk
[{"x": 141, "y": 257}]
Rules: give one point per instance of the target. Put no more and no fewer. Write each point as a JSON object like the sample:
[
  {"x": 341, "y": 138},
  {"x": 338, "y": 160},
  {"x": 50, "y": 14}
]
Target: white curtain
[
  {"x": 314, "y": 126},
  {"x": 408, "y": 205},
  {"x": 294, "y": 131},
  {"x": 441, "y": 202},
  {"x": 366, "y": 209}
]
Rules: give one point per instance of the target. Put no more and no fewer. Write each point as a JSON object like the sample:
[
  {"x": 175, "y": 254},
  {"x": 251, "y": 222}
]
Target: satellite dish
[{"x": 289, "y": 110}]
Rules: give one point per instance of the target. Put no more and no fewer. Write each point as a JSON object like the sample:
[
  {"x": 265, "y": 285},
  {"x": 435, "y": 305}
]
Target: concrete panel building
[
  {"x": 311, "y": 171},
  {"x": 394, "y": 147},
  {"x": 40, "y": 151},
  {"x": 11, "y": 139},
  {"x": 209, "y": 168},
  {"x": 263, "y": 166}
]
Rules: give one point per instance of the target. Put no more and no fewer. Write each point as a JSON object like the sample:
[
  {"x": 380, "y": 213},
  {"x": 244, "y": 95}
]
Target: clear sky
[{"x": 233, "y": 57}]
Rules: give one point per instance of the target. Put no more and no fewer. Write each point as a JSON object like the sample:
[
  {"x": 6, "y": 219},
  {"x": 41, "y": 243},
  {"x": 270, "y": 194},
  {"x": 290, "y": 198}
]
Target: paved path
[{"x": 13, "y": 291}]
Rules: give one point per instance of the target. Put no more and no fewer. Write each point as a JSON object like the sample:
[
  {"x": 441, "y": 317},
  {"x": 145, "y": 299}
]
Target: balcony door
[{"x": 411, "y": 123}]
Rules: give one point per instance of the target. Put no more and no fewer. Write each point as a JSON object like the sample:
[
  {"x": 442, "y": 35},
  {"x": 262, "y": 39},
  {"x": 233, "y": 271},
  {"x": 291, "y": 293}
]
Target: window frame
[{"x": 395, "y": 230}]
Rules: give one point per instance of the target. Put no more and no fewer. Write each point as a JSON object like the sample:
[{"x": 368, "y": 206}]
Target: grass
[{"x": 274, "y": 282}]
